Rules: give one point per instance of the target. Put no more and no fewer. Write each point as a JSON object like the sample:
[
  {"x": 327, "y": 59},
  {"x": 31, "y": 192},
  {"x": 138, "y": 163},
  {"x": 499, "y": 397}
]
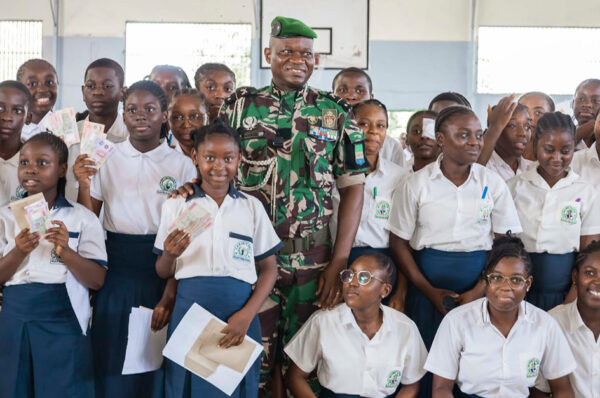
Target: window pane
[
  {"x": 397, "y": 121},
  {"x": 552, "y": 60},
  {"x": 187, "y": 45},
  {"x": 19, "y": 41}
]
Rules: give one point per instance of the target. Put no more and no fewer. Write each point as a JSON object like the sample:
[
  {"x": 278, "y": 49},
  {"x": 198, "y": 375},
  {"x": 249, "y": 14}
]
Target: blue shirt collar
[
  {"x": 60, "y": 201},
  {"x": 199, "y": 193}
]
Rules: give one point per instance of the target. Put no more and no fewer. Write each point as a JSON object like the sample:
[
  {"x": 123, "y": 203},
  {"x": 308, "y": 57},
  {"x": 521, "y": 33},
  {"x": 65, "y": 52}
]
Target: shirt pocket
[
  {"x": 241, "y": 250},
  {"x": 318, "y": 161},
  {"x": 528, "y": 367},
  {"x": 569, "y": 214},
  {"x": 255, "y": 152}
]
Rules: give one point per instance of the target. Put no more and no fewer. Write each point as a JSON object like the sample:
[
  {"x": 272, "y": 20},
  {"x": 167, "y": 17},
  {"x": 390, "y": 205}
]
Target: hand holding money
[
  {"x": 176, "y": 243},
  {"x": 58, "y": 236},
  {"x": 26, "y": 241},
  {"x": 84, "y": 169}
]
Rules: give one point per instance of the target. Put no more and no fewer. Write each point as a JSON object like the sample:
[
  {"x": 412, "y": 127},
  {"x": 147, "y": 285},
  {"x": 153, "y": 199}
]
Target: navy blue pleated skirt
[
  {"x": 456, "y": 271},
  {"x": 42, "y": 350},
  {"x": 551, "y": 279},
  {"x": 221, "y": 296},
  {"x": 131, "y": 281}
]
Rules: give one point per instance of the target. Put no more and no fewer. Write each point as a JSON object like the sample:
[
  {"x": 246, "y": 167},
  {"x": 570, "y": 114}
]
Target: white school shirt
[
  {"x": 430, "y": 211},
  {"x": 134, "y": 186},
  {"x": 392, "y": 150},
  {"x": 42, "y": 265},
  {"x": 497, "y": 164},
  {"x": 348, "y": 362},
  {"x": 468, "y": 348},
  {"x": 117, "y": 133},
  {"x": 585, "y": 380},
  {"x": 10, "y": 189},
  {"x": 380, "y": 186},
  {"x": 241, "y": 235},
  {"x": 553, "y": 219},
  {"x": 31, "y": 129},
  {"x": 587, "y": 165}
]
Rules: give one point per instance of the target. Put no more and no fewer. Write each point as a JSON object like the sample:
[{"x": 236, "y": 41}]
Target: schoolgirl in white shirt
[
  {"x": 506, "y": 139},
  {"x": 443, "y": 222},
  {"x": 558, "y": 210},
  {"x": 382, "y": 181},
  {"x": 218, "y": 268},
  {"x": 44, "y": 347},
  {"x": 15, "y": 102},
  {"x": 132, "y": 184},
  {"x": 360, "y": 348},
  {"x": 580, "y": 321},
  {"x": 586, "y": 162},
  {"x": 497, "y": 346},
  {"x": 422, "y": 143}
]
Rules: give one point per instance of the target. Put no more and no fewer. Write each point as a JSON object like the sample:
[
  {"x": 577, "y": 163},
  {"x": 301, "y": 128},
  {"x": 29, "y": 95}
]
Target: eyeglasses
[
  {"x": 192, "y": 118},
  {"x": 362, "y": 277},
  {"x": 514, "y": 282}
]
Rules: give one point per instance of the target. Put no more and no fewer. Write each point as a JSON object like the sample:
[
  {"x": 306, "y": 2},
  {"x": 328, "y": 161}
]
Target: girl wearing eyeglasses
[
  {"x": 187, "y": 112},
  {"x": 497, "y": 346},
  {"x": 558, "y": 210},
  {"x": 361, "y": 348}
]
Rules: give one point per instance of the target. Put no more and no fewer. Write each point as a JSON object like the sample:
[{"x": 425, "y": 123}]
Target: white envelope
[{"x": 144, "y": 346}]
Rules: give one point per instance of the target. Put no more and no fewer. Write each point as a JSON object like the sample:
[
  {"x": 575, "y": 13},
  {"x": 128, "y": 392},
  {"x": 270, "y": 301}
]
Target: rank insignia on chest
[
  {"x": 359, "y": 154},
  {"x": 312, "y": 119},
  {"x": 323, "y": 133},
  {"x": 249, "y": 122},
  {"x": 330, "y": 118}
]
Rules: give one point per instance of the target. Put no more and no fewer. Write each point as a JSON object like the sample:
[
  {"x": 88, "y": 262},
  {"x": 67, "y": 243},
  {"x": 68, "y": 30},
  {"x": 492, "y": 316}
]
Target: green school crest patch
[
  {"x": 568, "y": 214},
  {"x": 382, "y": 210},
  {"x": 393, "y": 379},
  {"x": 166, "y": 185},
  {"x": 533, "y": 367}
]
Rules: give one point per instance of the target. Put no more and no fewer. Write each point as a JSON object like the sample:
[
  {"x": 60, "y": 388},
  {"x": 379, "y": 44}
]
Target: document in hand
[
  {"x": 144, "y": 346},
  {"x": 32, "y": 212},
  {"x": 193, "y": 345}
]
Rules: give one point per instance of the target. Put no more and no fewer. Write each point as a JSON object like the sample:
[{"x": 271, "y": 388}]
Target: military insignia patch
[
  {"x": 330, "y": 118},
  {"x": 323, "y": 133},
  {"x": 569, "y": 215},
  {"x": 249, "y": 122},
  {"x": 312, "y": 119},
  {"x": 359, "y": 154}
]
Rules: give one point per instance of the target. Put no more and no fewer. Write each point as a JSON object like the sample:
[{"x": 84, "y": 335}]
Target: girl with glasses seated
[
  {"x": 497, "y": 346},
  {"x": 361, "y": 348}
]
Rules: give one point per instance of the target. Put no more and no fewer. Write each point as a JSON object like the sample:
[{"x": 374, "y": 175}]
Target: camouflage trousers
[{"x": 291, "y": 303}]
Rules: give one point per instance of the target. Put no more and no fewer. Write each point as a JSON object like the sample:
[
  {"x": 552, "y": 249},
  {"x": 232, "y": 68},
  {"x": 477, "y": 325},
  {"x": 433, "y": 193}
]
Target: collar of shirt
[
  {"x": 59, "y": 203},
  {"x": 523, "y": 314},
  {"x": 436, "y": 171},
  {"x": 592, "y": 153},
  {"x": 349, "y": 321},
  {"x": 497, "y": 159},
  {"x": 157, "y": 154},
  {"x": 537, "y": 180},
  {"x": 575, "y": 321},
  {"x": 279, "y": 93},
  {"x": 13, "y": 161},
  {"x": 199, "y": 193}
]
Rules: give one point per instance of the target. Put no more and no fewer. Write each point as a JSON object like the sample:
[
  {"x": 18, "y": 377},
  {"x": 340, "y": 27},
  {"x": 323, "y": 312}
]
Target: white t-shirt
[
  {"x": 554, "y": 219},
  {"x": 468, "y": 348},
  {"x": 347, "y": 362},
  {"x": 430, "y": 211},
  {"x": 134, "y": 186},
  {"x": 380, "y": 186},
  {"x": 240, "y": 235}
]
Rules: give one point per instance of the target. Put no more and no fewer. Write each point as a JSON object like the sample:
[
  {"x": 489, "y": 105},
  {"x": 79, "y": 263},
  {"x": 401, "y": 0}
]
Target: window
[
  {"x": 19, "y": 41},
  {"x": 397, "y": 123},
  {"x": 520, "y": 59},
  {"x": 187, "y": 45}
]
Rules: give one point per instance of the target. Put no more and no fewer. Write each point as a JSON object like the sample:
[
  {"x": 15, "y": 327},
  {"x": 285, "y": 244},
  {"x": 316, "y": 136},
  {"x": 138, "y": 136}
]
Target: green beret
[{"x": 289, "y": 27}]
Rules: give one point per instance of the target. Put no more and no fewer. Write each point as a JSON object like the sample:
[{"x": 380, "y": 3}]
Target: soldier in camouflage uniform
[{"x": 297, "y": 144}]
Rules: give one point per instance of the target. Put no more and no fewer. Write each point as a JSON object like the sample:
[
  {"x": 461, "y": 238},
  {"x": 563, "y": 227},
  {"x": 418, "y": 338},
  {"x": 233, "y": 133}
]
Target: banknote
[
  {"x": 62, "y": 123},
  {"x": 194, "y": 220},
  {"x": 89, "y": 131},
  {"x": 38, "y": 217}
]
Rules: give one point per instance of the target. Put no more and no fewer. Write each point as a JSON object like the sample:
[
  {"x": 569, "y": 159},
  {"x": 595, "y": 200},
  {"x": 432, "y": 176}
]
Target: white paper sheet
[
  {"x": 79, "y": 297},
  {"x": 429, "y": 128},
  {"x": 185, "y": 335},
  {"x": 144, "y": 347}
]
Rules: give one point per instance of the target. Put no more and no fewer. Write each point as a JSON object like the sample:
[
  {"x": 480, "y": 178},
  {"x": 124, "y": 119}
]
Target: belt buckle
[{"x": 308, "y": 242}]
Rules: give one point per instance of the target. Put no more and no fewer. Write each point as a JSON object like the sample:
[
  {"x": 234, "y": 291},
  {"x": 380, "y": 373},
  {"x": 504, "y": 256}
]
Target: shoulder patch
[
  {"x": 246, "y": 91},
  {"x": 338, "y": 100}
]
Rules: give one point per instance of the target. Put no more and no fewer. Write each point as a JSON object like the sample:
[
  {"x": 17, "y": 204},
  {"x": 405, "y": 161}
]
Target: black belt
[{"x": 310, "y": 241}]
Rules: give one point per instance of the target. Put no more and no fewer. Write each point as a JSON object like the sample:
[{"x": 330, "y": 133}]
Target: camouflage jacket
[{"x": 295, "y": 147}]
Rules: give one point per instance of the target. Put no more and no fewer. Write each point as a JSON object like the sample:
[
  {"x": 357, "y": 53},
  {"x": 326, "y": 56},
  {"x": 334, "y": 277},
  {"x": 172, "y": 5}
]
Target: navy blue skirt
[
  {"x": 551, "y": 279},
  {"x": 131, "y": 281},
  {"x": 456, "y": 271},
  {"x": 42, "y": 350},
  {"x": 221, "y": 296}
]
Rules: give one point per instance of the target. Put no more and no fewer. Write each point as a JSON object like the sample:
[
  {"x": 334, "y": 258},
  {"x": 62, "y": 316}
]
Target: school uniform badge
[
  {"x": 533, "y": 368},
  {"x": 242, "y": 251},
  {"x": 20, "y": 193},
  {"x": 166, "y": 185},
  {"x": 568, "y": 214},
  {"x": 382, "y": 210},
  {"x": 393, "y": 379},
  {"x": 55, "y": 258},
  {"x": 330, "y": 118},
  {"x": 484, "y": 214}
]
